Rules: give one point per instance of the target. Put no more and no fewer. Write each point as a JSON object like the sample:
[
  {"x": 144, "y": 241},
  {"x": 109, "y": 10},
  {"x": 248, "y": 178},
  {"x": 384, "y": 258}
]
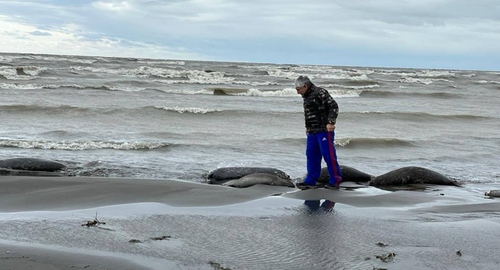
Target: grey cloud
[
  {"x": 375, "y": 26},
  {"x": 40, "y": 33},
  {"x": 414, "y": 12},
  {"x": 415, "y": 25}
]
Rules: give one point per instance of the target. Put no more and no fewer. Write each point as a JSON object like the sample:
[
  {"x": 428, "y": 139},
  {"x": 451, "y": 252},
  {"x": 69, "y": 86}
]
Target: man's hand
[{"x": 330, "y": 127}]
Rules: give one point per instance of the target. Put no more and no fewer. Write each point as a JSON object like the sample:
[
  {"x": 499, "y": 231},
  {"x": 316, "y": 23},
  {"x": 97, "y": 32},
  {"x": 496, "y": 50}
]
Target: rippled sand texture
[{"x": 425, "y": 231}]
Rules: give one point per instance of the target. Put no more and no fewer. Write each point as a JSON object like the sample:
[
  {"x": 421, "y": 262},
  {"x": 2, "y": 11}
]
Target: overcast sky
[{"x": 449, "y": 34}]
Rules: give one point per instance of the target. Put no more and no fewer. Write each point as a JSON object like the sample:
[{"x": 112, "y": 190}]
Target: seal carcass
[
  {"x": 349, "y": 174},
  {"x": 31, "y": 164},
  {"x": 260, "y": 178},
  {"x": 225, "y": 174},
  {"x": 412, "y": 175}
]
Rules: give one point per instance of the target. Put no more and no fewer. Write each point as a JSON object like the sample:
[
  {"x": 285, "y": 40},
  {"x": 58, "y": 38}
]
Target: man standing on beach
[{"x": 320, "y": 111}]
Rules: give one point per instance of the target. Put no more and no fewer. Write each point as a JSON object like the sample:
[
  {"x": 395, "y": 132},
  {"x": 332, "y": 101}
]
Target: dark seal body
[
  {"x": 349, "y": 174},
  {"x": 31, "y": 164},
  {"x": 493, "y": 193},
  {"x": 412, "y": 175},
  {"x": 225, "y": 174}
]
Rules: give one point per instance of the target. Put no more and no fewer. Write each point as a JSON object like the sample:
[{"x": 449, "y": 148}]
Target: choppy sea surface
[{"x": 171, "y": 119}]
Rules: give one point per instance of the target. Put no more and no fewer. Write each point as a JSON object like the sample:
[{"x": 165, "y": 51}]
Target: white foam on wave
[
  {"x": 420, "y": 73},
  {"x": 31, "y": 72},
  {"x": 126, "y": 88},
  {"x": 173, "y": 81},
  {"x": 19, "y": 86},
  {"x": 352, "y": 71},
  {"x": 415, "y": 80},
  {"x": 142, "y": 71},
  {"x": 101, "y": 70},
  {"x": 325, "y": 73},
  {"x": 287, "y": 92},
  {"x": 291, "y": 92},
  {"x": 436, "y": 73},
  {"x": 255, "y": 83},
  {"x": 345, "y": 93},
  {"x": 253, "y": 92},
  {"x": 189, "y": 110},
  {"x": 76, "y": 86},
  {"x": 220, "y": 80},
  {"x": 354, "y": 87},
  {"x": 6, "y": 59},
  {"x": 280, "y": 73},
  {"x": 487, "y": 82},
  {"x": 182, "y": 76},
  {"x": 81, "y": 145},
  {"x": 344, "y": 76},
  {"x": 187, "y": 92},
  {"x": 268, "y": 83},
  {"x": 202, "y": 77}
]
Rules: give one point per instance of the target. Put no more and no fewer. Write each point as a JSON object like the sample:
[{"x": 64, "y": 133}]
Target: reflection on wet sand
[{"x": 315, "y": 206}]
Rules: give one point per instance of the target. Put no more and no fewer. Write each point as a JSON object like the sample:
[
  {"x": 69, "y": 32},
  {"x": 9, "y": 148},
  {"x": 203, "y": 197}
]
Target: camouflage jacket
[{"x": 320, "y": 109}]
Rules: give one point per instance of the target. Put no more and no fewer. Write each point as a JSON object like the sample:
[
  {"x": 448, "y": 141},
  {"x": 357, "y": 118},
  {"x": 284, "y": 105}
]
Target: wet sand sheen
[{"x": 240, "y": 228}]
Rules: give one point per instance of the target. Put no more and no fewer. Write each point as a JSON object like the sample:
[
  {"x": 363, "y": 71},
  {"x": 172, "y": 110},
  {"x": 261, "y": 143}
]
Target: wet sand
[
  {"x": 15, "y": 257},
  {"x": 167, "y": 224}
]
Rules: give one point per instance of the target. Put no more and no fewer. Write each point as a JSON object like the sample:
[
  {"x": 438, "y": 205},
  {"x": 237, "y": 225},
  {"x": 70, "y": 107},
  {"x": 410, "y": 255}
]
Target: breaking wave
[
  {"x": 189, "y": 110},
  {"x": 74, "y": 86},
  {"x": 488, "y": 82},
  {"x": 420, "y": 80},
  {"x": 66, "y": 109},
  {"x": 287, "y": 92},
  {"x": 82, "y": 145},
  {"x": 439, "y": 74},
  {"x": 21, "y": 73},
  {"x": 354, "y": 87}
]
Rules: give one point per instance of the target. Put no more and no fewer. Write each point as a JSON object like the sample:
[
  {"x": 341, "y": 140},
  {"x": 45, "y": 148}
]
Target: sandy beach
[{"x": 167, "y": 224}]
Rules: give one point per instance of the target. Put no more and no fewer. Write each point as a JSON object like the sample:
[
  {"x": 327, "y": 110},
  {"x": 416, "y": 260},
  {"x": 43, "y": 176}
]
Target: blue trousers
[{"x": 321, "y": 146}]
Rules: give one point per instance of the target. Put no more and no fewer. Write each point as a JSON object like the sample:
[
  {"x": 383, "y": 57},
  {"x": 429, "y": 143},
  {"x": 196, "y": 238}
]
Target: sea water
[{"x": 173, "y": 119}]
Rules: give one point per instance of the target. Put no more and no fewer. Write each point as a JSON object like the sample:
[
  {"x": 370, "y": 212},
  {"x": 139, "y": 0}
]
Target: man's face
[{"x": 301, "y": 90}]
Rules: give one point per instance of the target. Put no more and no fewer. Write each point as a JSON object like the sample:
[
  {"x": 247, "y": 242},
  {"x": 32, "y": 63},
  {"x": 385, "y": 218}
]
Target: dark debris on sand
[{"x": 218, "y": 266}]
